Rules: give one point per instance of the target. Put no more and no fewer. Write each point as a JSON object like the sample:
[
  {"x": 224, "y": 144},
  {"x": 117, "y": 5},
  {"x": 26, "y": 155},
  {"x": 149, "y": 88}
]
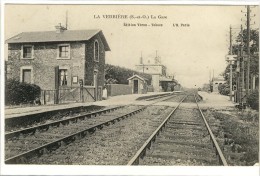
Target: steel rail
[
  {"x": 212, "y": 137},
  {"x": 46, "y": 126},
  {"x": 157, "y": 97},
  {"x": 70, "y": 138},
  {"x": 167, "y": 98},
  {"x": 147, "y": 144},
  {"x": 67, "y": 139}
]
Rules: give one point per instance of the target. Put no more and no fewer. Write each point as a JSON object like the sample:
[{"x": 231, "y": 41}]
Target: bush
[
  {"x": 119, "y": 75},
  {"x": 253, "y": 100},
  {"x": 223, "y": 89},
  {"x": 20, "y": 93}
]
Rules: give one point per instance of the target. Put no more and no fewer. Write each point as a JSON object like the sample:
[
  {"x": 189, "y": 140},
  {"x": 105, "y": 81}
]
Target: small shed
[
  {"x": 138, "y": 83},
  {"x": 216, "y": 81}
]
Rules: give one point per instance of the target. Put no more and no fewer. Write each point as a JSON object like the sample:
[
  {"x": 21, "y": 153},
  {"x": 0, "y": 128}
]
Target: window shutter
[
  {"x": 56, "y": 94},
  {"x": 57, "y": 81}
]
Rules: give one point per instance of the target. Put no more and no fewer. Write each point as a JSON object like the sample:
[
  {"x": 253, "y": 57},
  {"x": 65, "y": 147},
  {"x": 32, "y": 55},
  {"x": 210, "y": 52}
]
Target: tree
[
  {"x": 223, "y": 89},
  {"x": 254, "y": 55},
  {"x": 119, "y": 75},
  {"x": 254, "y": 49}
]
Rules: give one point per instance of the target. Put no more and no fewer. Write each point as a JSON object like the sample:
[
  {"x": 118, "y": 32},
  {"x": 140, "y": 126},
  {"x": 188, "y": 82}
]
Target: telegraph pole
[
  {"x": 230, "y": 65},
  {"x": 141, "y": 60},
  {"x": 242, "y": 71},
  {"x": 248, "y": 51}
]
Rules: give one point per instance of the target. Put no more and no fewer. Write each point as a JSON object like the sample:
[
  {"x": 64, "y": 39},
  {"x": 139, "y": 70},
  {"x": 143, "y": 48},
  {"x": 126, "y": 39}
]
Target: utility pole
[
  {"x": 67, "y": 20},
  {"x": 141, "y": 60},
  {"x": 248, "y": 51},
  {"x": 230, "y": 65},
  {"x": 242, "y": 72}
]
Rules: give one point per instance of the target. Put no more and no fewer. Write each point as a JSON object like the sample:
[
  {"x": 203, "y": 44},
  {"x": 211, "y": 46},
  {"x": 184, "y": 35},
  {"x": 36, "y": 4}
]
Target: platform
[{"x": 116, "y": 100}]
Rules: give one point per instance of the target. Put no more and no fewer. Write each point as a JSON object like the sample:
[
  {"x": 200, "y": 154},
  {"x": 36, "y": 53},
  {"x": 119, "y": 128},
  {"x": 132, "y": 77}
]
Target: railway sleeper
[
  {"x": 163, "y": 141},
  {"x": 185, "y": 137},
  {"x": 29, "y": 132},
  {"x": 91, "y": 130},
  {"x": 166, "y": 146},
  {"x": 196, "y": 151},
  {"x": 187, "y": 127},
  {"x": 100, "y": 127},
  {"x": 175, "y": 157},
  {"x": 193, "y": 141},
  {"x": 184, "y": 154},
  {"x": 70, "y": 139},
  {"x": 185, "y": 132},
  {"x": 186, "y": 123},
  {"x": 20, "y": 145}
]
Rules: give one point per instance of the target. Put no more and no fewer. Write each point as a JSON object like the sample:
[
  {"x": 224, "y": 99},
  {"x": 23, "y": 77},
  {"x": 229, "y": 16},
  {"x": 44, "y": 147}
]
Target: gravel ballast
[{"x": 113, "y": 145}]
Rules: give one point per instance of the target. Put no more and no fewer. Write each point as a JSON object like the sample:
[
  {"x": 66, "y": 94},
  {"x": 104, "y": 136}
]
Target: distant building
[
  {"x": 160, "y": 79},
  {"x": 56, "y": 59},
  {"x": 216, "y": 81}
]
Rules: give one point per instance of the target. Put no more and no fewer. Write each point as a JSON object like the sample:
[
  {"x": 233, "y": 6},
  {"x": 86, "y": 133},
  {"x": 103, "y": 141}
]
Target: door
[
  {"x": 135, "y": 86},
  {"x": 96, "y": 84},
  {"x": 27, "y": 75}
]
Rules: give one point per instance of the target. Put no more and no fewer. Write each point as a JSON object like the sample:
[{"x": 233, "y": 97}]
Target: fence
[
  {"x": 150, "y": 88},
  {"x": 71, "y": 94}
]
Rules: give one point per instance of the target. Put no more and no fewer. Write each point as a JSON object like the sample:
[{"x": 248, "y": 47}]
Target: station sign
[{"x": 231, "y": 57}]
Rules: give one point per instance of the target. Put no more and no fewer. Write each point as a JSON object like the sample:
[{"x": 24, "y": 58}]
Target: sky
[{"x": 190, "y": 52}]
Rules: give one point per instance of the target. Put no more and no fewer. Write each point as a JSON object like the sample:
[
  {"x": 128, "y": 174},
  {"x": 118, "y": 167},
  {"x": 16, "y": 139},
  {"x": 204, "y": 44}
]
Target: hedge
[
  {"x": 253, "y": 100},
  {"x": 119, "y": 75},
  {"x": 224, "y": 89},
  {"x": 20, "y": 93}
]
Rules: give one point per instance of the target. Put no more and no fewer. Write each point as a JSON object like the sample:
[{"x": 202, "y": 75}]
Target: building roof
[
  {"x": 145, "y": 65},
  {"x": 163, "y": 78},
  {"x": 140, "y": 77},
  {"x": 218, "y": 79},
  {"x": 53, "y": 36}
]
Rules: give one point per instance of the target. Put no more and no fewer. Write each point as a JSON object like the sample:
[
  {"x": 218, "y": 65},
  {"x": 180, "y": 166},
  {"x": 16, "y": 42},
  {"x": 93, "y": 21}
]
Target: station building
[
  {"x": 56, "y": 59},
  {"x": 158, "y": 72}
]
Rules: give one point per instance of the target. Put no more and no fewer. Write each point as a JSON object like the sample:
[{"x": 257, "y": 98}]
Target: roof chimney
[
  {"x": 141, "y": 58},
  {"x": 59, "y": 28}
]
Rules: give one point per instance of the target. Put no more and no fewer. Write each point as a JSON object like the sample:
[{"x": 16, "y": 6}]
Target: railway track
[
  {"x": 24, "y": 144},
  {"x": 183, "y": 138}
]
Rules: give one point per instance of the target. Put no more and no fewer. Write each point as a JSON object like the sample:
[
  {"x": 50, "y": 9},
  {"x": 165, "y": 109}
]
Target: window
[
  {"x": 26, "y": 74},
  {"x": 64, "y": 51},
  {"x": 27, "y": 52},
  {"x": 63, "y": 76},
  {"x": 96, "y": 51}
]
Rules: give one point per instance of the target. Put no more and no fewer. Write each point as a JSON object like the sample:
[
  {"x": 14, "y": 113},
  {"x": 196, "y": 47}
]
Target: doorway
[{"x": 135, "y": 86}]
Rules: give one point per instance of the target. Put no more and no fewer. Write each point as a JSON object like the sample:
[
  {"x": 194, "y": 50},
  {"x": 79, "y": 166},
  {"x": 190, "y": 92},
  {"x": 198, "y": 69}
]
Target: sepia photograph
[{"x": 148, "y": 85}]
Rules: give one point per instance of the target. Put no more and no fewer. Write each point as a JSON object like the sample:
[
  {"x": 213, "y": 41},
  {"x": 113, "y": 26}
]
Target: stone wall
[
  {"x": 92, "y": 65},
  {"x": 118, "y": 89},
  {"x": 44, "y": 61}
]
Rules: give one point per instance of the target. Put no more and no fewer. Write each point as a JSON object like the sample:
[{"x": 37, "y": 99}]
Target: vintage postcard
[{"x": 130, "y": 88}]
